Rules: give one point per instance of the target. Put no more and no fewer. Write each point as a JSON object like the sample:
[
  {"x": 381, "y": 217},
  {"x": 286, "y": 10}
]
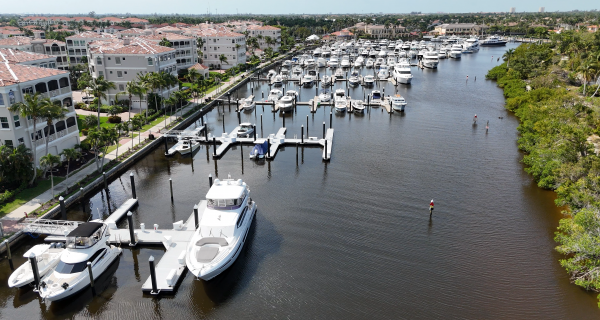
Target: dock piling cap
[
  {"x": 61, "y": 198},
  {"x": 129, "y": 214},
  {"x": 151, "y": 258}
]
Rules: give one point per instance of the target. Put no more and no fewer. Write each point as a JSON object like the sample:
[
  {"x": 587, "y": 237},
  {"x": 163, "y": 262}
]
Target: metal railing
[{"x": 48, "y": 226}]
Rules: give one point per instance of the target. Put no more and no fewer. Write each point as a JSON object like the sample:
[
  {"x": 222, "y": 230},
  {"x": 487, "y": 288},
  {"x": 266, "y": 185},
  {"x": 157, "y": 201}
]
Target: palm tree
[
  {"x": 49, "y": 161},
  {"x": 70, "y": 154},
  {"x": 136, "y": 123},
  {"x": 192, "y": 75},
  {"x": 15, "y": 164},
  {"x": 131, "y": 88},
  {"x": 509, "y": 53},
  {"x": 99, "y": 87},
  {"x": 52, "y": 112},
  {"x": 112, "y": 137},
  {"x": 33, "y": 108},
  {"x": 223, "y": 59},
  {"x": 165, "y": 43},
  {"x": 587, "y": 70}
]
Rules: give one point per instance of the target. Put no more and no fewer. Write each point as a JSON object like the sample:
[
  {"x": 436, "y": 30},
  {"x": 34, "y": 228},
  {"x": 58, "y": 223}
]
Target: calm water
[{"x": 352, "y": 238}]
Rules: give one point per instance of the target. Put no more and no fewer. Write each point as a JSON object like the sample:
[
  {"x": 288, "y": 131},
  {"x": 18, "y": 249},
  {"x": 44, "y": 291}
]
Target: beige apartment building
[
  {"x": 265, "y": 31},
  {"x": 186, "y": 52},
  {"x": 49, "y": 47},
  {"x": 459, "y": 28},
  {"x": 77, "y": 44},
  {"x": 217, "y": 42},
  {"x": 121, "y": 60}
]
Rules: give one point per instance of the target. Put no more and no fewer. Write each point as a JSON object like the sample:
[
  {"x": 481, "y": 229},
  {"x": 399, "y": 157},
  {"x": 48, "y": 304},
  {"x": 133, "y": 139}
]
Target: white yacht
[
  {"x": 370, "y": 63},
  {"x": 398, "y": 103},
  {"x": 222, "y": 230},
  {"x": 248, "y": 104},
  {"x": 493, "y": 41},
  {"x": 402, "y": 72},
  {"x": 455, "y": 51},
  {"x": 321, "y": 63},
  {"x": 325, "y": 81},
  {"x": 345, "y": 62},
  {"x": 245, "y": 130},
  {"x": 368, "y": 80},
  {"x": 359, "y": 62},
  {"x": 325, "y": 96},
  {"x": 307, "y": 80},
  {"x": 287, "y": 64},
  {"x": 358, "y": 106},
  {"x": 376, "y": 98},
  {"x": 354, "y": 80},
  {"x": 473, "y": 44},
  {"x": 430, "y": 59},
  {"x": 310, "y": 63},
  {"x": 277, "y": 80},
  {"x": 296, "y": 73},
  {"x": 47, "y": 257},
  {"x": 391, "y": 61},
  {"x": 286, "y": 103},
  {"x": 383, "y": 73},
  {"x": 86, "y": 243},
  {"x": 341, "y": 103},
  {"x": 379, "y": 62},
  {"x": 187, "y": 146},
  {"x": 317, "y": 52},
  {"x": 443, "y": 54},
  {"x": 333, "y": 62},
  {"x": 339, "y": 73},
  {"x": 274, "y": 95}
]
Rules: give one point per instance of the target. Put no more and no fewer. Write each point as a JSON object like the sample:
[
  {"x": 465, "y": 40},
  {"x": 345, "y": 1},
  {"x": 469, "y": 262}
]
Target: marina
[{"x": 317, "y": 237}]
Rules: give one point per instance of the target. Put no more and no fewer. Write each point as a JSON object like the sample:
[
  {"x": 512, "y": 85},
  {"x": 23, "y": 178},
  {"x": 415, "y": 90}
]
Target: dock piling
[
  {"x": 210, "y": 180},
  {"x": 171, "y": 186},
  {"x": 302, "y": 134},
  {"x": 36, "y": 271},
  {"x": 8, "y": 255},
  {"x": 268, "y": 147},
  {"x": 307, "y": 126},
  {"x": 104, "y": 177},
  {"x": 214, "y": 146},
  {"x": 330, "y": 119},
  {"x": 166, "y": 147},
  {"x": 196, "y": 217},
  {"x": 323, "y": 129},
  {"x": 254, "y": 131},
  {"x": 224, "y": 123},
  {"x": 202, "y": 120},
  {"x": 133, "y": 194},
  {"x": 91, "y": 274},
  {"x": 63, "y": 210},
  {"x": 132, "y": 239},
  {"x": 153, "y": 275},
  {"x": 325, "y": 149},
  {"x": 261, "y": 126}
]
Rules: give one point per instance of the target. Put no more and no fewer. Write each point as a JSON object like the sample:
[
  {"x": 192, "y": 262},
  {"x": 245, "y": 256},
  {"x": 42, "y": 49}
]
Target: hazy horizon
[{"x": 307, "y": 7}]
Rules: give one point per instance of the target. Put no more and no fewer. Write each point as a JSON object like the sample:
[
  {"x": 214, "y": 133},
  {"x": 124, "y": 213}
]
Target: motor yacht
[
  {"x": 493, "y": 41},
  {"x": 187, "y": 146},
  {"x": 277, "y": 80},
  {"x": 345, "y": 62},
  {"x": 286, "y": 104},
  {"x": 326, "y": 81},
  {"x": 86, "y": 243},
  {"x": 317, "y": 52},
  {"x": 307, "y": 80},
  {"x": 287, "y": 64},
  {"x": 245, "y": 130},
  {"x": 359, "y": 62},
  {"x": 379, "y": 62},
  {"x": 296, "y": 73},
  {"x": 473, "y": 44},
  {"x": 325, "y": 96},
  {"x": 368, "y": 80},
  {"x": 430, "y": 59},
  {"x": 358, "y": 107},
  {"x": 354, "y": 79},
  {"x": 339, "y": 73},
  {"x": 391, "y": 61},
  {"x": 376, "y": 98},
  {"x": 370, "y": 62},
  {"x": 310, "y": 63},
  {"x": 333, "y": 62},
  {"x": 455, "y": 51},
  {"x": 223, "y": 229},
  {"x": 383, "y": 73},
  {"x": 274, "y": 95},
  {"x": 321, "y": 62},
  {"x": 402, "y": 72},
  {"x": 443, "y": 54},
  {"x": 340, "y": 102},
  {"x": 46, "y": 256},
  {"x": 398, "y": 103},
  {"x": 248, "y": 104}
]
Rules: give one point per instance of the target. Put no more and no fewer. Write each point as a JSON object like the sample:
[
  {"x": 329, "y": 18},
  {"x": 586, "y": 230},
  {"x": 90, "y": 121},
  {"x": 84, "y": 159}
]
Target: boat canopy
[
  {"x": 376, "y": 95},
  {"x": 85, "y": 229},
  {"x": 260, "y": 148}
]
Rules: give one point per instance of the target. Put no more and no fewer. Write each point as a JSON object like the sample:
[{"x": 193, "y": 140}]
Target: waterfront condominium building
[
  {"x": 50, "y": 47},
  {"x": 27, "y": 58},
  {"x": 121, "y": 60},
  {"x": 17, "y": 80},
  {"x": 186, "y": 52},
  {"x": 262, "y": 32},
  {"x": 218, "y": 42},
  {"x": 77, "y": 44}
]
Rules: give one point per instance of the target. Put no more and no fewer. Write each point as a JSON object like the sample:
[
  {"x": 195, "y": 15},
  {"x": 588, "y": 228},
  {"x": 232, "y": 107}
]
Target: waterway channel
[{"x": 351, "y": 238}]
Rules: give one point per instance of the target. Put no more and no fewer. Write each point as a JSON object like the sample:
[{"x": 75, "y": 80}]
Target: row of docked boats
[{"x": 343, "y": 103}]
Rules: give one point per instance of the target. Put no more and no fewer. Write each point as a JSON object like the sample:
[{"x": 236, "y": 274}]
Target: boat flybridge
[
  {"x": 456, "y": 51},
  {"x": 430, "y": 59},
  {"x": 88, "y": 243},
  {"x": 398, "y": 103},
  {"x": 222, "y": 230},
  {"x": 402, "y": 72}
]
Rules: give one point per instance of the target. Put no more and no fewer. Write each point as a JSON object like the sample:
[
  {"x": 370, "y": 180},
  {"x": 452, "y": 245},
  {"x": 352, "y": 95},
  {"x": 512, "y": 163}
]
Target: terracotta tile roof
[
  {"x": 18, "y": 56},
  {"x": 136, "y": 20},
  {"x": 15, "y": 73},
  {"x": 215, "y": 33},
  {"x": 111, "y": 19},
  {"x": 52, "y": 41},
  {"x": 267, "y": 28},
  {"x": 32, "y": 27},
  {"x": 135, "y": 46},
  {"x": 134, "y": 30},
  {"x": 13, "y": 32},
  {"x": 169, "y": 29},
  {"x": 198, "y": 66},
  {"x": 15, "y": 41},
  {"x": 91, "y": 35},
  {"x": 9, "y": 28},
  {"x": 169, "y": 36}
]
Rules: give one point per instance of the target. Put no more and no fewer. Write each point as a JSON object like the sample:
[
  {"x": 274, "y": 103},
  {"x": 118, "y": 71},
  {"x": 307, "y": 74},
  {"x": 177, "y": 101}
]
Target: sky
[{"x": 285, "y": 7}]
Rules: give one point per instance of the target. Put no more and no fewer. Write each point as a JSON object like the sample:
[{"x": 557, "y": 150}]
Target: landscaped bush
[
  {"x": 114, "y": 119},
  {"x": 84, "y": 132},
  {"x": 79, "y": 105}
]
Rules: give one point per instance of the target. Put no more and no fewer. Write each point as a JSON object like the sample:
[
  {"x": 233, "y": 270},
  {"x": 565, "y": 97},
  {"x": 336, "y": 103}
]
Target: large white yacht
[
  {"x": 430, "y": 59},
  {"x": 86, "y": 243},
  {"x": 286, "y": 103},
  {"x": 274, "y": 95},
  {"x": 456, "y": 51},
  {"x": 402, "y": 73},
  {"x": 222, "y": 230},
  {"x": 341, "y": 103},
  {"x": 493, "y": 41},
  {"x": 321, "y": 62},
  {"x": 472, "y": 44},
  {"x": 383, "y": 73},
  {"x": 47, "y": 257},
  {"x": 398, "y": 103}
]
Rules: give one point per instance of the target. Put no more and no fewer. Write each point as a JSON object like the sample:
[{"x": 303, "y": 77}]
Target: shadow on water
[
  {"x": 91, "y": 299},
  {"x": 263, "y": 241}
]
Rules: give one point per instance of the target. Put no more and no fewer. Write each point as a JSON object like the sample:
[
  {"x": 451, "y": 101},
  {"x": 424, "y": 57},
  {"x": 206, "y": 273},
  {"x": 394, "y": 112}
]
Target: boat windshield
[
  {"x": 69, "y": 268},
  {"x": 226, "y": 204},
  {"x": 376, "y": 95}
]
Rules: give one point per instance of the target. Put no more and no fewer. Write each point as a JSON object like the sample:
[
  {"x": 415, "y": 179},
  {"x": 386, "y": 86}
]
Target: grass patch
[
  {"x": 103, "y": 123},
  {"x": 28, "y": 194}
]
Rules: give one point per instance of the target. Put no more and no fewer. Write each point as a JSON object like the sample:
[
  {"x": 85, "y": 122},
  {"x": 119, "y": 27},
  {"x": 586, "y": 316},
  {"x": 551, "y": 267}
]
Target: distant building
[
  {"x": 46, "y": 46},
  {"x": 459, "y": 28},
  {"x": 513, "y": 10},
  {"x": 266, "y": 31},
  {"x": 380, "y": 31},
  {"x": 542, "y": 9}
]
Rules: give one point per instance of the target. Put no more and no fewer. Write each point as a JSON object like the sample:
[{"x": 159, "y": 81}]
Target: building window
[
  {"x": 119, "y": 74},
  {"x": 150, "y": 61},
  {"x": 8, "y": 143},
  {"x": 101, "y": 73},
  {"x": 98, "y": 61},
  {"x": 1, "y": 99},
  {"x": 17, "y": 121},
  {"x": 121, "y": 87},
  {"x": 21, "y": 141},
  {"x": 4, "y": 123},
  {"x": 117, "y": 60}
]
